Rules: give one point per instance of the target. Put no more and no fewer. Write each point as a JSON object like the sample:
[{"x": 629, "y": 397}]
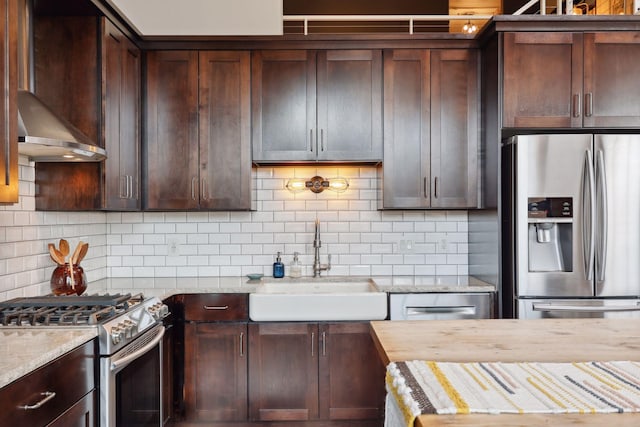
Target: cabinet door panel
[
  {"x": 215, "y": 371},
  {"x": 172, "y": 130},
  {"x": 283, "y": 371},
  {"x": 8, "y": 108},
  {"x": 454, "y": 128},
  {"x": 407, "y": 123},
  {"x": 542, "y": 80},
  {"x": 225, "y": 139},
  {"x": 611, "y": 87},
  {"x": 284, "y": 105},
  {"x": 350, "y": 105},
  {"x": 121, "y": 122},
  {"x": 351, "y": 374}
]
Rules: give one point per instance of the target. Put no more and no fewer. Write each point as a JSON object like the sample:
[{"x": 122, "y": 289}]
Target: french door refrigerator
[{"x": 571, "y": 218}]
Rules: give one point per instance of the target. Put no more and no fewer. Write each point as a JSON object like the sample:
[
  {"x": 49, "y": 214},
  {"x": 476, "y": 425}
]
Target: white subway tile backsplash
[{"x": 362, "y": 239}]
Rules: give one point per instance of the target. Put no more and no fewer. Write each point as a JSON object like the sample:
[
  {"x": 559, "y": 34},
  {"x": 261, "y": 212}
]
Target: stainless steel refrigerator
[{"x": 571, "y": 226}]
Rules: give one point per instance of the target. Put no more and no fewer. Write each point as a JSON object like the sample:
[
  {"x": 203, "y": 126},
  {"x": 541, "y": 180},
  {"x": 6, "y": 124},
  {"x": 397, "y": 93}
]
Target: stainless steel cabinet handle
[
  {"x": 48, "y": 395},
  {"x": 589, "y": 209},
  {"x": 435, "y": 187},
  {"x": 426, "y": 194},
  {"x": 311, "y": 140},
  {"x": 124, "y": 186},
  {"x": 203, "y": 189},
  {"x": 313, "y": 338},
  {"x": 241, "y": 344},
  {"x": 601, "y": 217},
  {"x": 324, "y": 343},
  {"x": 129, "y": 187},
  {"x": 215, "y": 307},
  {"x": 576, "y": 105},
  {"x": 588, "y": 108},
  {"x": 321, "y": 139},
  {"x": 194, "y": 182}
]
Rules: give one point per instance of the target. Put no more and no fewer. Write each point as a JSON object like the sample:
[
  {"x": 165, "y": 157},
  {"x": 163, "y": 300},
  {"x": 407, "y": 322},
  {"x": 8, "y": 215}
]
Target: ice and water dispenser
[{"x": 550, "y": 226}]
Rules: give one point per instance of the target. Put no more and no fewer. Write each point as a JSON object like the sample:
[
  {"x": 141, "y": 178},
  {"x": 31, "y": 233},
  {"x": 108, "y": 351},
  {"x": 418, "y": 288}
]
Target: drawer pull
[
  {"x": 48, "y": 395},
  {"x": 216, "y": 307}
]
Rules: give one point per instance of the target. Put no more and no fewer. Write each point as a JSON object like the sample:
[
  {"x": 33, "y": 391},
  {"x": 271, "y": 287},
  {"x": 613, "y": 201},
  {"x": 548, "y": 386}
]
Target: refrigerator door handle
[
  {"x": 582, "y": 308},
  {"x": 601, "y": 216},
  {"x": 589, "y": 209}
]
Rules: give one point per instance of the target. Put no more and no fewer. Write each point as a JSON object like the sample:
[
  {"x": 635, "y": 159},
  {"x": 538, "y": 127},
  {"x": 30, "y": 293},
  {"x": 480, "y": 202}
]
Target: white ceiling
[
  {"x": 242, "y": 17},
  {"x": 202, "y": 17}
]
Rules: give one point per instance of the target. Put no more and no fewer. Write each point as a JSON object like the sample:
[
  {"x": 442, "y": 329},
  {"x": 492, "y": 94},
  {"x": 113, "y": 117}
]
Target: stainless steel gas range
[{"x": 130, "y": 335}]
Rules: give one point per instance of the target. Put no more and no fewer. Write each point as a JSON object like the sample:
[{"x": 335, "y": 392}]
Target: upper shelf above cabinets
[{"x": 317, "y": 106}]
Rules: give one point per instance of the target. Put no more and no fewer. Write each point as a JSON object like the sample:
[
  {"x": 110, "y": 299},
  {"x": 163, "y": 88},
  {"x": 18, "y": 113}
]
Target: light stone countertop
[
  {"x": 23, "y": 350},
  {"x": 167, "y": 286}
]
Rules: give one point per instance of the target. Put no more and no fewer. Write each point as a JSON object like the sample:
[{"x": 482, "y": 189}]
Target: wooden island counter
[{"x": 502, "y": 340}]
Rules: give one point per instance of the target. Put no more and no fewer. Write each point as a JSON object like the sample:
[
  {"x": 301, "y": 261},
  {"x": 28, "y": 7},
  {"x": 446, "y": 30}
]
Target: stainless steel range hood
[{"x": 44, "y": 136}]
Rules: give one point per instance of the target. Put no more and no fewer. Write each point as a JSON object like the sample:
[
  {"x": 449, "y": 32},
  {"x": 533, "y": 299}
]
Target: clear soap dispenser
[
  {"x": 296, "y": 268},
  {"x": 278, "y": 267}
]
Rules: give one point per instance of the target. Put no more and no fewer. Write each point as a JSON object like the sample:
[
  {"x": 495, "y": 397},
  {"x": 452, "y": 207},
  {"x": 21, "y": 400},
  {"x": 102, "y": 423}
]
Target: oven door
[{"x": 131, "y": 383}]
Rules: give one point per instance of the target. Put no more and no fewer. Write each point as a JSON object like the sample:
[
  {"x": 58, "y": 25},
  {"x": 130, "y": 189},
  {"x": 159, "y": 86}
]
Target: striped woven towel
[{"x": 423, "y": 387}]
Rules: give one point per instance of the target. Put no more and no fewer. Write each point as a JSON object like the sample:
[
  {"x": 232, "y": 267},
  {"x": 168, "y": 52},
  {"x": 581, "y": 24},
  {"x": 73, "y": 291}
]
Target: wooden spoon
[
  {"x": 74, "y": 257},
  {"x": 64, "y": 248},
  {"x": 55, "y": 254},
  {"x": 82, "y": 253}
]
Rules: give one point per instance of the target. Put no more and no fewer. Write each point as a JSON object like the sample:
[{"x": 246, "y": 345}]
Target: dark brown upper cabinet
[
  {"x": 431, "y": 125},
  {"x": 9, "y": 108},
  {"x": 121, "y": 119},
  {"x": 311, "y": 106},
  {"x": 198, "y": 152},
  {"x": 571, "y": 79}
]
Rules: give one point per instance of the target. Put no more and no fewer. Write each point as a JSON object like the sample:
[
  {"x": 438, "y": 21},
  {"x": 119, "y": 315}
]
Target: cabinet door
[
  {"x": 8, "y": 108},
  {"x": 121, "y": 94},
  {"x": 172, "y": 130},
  {"x": 455, "y": 132},
  {"x": 215, "y": 371},
  {"x": 351, "y": 373},
  {"x": 542, "y": 80},
  {"x": 283, "y": 368},
  {"x": 407, "y": 123},
  {"x": 350, "y": 105},
  {"x": 81, "y": 414},
  {"x": 284, "y": 105},
  {"x": 611, "y": 86},
  {"x": 225, "y": 130}
]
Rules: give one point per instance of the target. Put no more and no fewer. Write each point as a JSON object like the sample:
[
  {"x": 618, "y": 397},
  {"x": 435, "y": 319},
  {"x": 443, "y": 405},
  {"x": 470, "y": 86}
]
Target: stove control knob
[
  {"x": 128, "y": 326},
  {"x": 116, "y": 334}
]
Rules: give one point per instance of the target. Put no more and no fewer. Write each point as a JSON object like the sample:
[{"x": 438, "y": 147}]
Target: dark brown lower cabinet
[
  {"x": 311, "y": 371},
  {"x": 283, "y": 366},
  {"x": 351, "y": 373},
  {"x": 82, "y": 414},
  {"x": 215, "y": 371}
]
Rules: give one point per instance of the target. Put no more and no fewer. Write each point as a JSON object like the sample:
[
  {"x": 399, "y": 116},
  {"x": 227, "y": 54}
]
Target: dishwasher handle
[{"x": 458, "y": 310}]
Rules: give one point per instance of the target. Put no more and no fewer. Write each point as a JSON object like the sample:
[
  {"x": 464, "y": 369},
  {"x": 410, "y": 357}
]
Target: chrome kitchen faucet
[{"x": 317, "y": 267}]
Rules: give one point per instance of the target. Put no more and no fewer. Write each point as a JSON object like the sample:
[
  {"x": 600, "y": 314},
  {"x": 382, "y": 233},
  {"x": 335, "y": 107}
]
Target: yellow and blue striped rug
[{"x": 423, "y": 387}]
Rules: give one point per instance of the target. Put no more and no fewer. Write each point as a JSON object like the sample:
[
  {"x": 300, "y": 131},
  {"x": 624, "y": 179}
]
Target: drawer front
[
  {"x": 57, "y": 386},
  {"x": 216, "y": 307}
]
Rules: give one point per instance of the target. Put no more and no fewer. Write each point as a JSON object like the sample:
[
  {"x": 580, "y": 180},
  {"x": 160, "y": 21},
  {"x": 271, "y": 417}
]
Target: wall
[
  {"x": 361, "y": 239},
  {"x": 25, "y": 265}
]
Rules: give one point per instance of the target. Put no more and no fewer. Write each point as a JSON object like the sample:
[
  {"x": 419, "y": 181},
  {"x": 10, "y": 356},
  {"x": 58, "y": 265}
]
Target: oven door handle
[{"x": 121, "y": 363}]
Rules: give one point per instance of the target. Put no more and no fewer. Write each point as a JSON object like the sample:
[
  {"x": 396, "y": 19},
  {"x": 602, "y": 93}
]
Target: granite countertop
[
  {"x": 23, "y": 350},
  {"x": 166, "y": 286}
]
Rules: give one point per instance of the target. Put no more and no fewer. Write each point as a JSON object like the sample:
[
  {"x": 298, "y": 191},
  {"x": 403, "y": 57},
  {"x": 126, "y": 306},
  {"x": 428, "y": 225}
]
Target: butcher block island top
[{"x": 506, "y": 340}]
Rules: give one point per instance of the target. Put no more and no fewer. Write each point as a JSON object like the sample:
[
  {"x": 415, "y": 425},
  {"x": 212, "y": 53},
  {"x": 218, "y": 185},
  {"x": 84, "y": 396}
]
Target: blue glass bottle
[{"x": 278, "y": 267}]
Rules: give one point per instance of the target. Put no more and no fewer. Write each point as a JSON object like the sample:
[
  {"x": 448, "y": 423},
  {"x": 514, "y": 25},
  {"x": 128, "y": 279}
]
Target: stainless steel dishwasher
[{"x": 441, "y": 306}]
